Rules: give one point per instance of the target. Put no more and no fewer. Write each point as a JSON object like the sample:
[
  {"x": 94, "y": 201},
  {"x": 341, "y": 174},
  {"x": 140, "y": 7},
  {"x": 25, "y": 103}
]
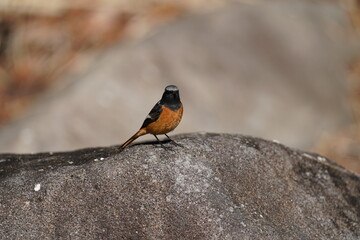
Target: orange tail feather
[{"x": 135, "y": 136}]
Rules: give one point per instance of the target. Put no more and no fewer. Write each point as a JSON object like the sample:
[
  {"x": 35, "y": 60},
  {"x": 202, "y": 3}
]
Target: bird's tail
[{"x": 139, "y": 133}]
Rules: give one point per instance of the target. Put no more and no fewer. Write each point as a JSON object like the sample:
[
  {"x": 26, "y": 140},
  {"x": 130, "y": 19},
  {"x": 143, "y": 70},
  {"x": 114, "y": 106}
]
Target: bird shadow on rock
[{"x": 164, "y": 144}]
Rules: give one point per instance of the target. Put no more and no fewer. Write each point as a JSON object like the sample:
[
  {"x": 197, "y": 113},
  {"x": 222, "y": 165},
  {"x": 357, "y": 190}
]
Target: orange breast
[{"x": 167, "y": 121}]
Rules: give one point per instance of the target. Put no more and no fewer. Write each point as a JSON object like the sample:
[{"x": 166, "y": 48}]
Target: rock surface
[
  {"x": 270, "y": 69},
  {"x": 204, "y": 186}
]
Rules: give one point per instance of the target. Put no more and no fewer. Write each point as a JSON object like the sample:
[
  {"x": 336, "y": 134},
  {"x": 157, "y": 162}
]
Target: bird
[{"x": 164, "y": 117}]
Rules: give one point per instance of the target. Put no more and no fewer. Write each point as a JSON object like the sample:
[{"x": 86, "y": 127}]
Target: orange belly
[{"x": 167, "y": 121}]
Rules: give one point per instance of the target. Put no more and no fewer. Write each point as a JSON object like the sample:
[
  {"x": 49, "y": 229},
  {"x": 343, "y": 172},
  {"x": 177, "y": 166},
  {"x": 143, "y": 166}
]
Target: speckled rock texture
[{"x": 202, "y": 186}]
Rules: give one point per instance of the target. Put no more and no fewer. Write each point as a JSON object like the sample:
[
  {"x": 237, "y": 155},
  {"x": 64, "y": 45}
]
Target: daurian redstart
[{"x": 164, "y": 117}]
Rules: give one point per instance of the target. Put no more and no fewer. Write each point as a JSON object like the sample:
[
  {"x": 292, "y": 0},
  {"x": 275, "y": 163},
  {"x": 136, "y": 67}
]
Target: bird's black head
[{"x": 171, "y": 97}]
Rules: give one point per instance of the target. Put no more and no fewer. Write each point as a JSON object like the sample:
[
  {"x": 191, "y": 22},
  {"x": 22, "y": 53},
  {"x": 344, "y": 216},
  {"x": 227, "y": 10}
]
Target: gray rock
[
  {"x": 274, "y": 70},
  {"x": 206, "y": 186}
]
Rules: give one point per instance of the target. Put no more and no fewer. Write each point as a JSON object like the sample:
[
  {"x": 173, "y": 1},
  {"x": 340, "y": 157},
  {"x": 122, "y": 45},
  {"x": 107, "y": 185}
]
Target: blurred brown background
[{"x": 85, "y": 73}]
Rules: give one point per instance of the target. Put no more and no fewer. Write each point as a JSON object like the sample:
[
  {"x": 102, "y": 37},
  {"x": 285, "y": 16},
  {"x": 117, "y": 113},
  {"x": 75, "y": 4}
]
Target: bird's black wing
[{"x": 153, "y": 115}]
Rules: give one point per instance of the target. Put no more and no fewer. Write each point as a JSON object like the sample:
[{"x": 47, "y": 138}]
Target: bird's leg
[
  {"x": 156, "y": 137},
  {"x": 162, "y": 146},
  {"x": 172, "y": 141},
  {"x": 168, "y": 137}
]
